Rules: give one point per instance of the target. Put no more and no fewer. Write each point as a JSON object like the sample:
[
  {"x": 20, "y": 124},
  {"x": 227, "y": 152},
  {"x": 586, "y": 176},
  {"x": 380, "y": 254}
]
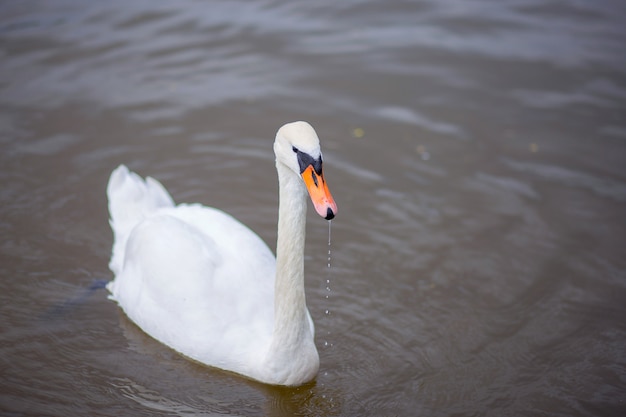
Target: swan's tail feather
[{"x": 131, "y": 199}]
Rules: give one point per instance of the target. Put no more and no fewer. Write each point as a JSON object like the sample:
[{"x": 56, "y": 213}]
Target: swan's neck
[
  {"x": 292, "y": 355},
  {"x": 290, "y": 313}
]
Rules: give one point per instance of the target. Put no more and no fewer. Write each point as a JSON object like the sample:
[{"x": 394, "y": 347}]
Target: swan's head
[{"x": 298, "y": 147}]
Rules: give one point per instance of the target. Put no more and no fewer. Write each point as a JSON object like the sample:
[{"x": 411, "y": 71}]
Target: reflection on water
[{"x": 476, "y": 150}]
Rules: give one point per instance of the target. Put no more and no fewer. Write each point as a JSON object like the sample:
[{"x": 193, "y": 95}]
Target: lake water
[{"x": 476, "y": 150}]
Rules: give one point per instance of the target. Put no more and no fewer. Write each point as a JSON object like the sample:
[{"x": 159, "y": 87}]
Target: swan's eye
[{"x": 293, "y": 148}]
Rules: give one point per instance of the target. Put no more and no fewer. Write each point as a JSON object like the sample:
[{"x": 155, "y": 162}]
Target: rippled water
[{"x": 476, "y": 150}]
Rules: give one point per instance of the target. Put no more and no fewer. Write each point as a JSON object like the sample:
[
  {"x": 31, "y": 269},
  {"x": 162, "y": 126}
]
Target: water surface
[{"x": 476, "y": 150}]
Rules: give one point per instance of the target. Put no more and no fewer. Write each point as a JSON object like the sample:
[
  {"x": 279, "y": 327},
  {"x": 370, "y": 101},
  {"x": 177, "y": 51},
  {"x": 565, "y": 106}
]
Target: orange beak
[{"x": 320, "y": 194}]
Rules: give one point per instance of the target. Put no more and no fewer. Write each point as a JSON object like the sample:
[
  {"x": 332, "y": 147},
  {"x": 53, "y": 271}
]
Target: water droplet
[{"x": 327, "y": 311}]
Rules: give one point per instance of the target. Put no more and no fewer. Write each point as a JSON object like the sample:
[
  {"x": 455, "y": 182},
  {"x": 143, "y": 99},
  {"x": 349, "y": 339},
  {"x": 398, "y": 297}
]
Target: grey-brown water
[{"x": 476, "y": 149}]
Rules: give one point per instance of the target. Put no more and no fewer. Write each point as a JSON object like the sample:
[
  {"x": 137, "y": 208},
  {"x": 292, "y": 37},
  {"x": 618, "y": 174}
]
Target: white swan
[{"x": 204, "y": 284}]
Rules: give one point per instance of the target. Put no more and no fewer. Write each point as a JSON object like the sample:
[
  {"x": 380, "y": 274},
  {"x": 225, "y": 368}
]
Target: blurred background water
[{"x": 476, "y": 150}]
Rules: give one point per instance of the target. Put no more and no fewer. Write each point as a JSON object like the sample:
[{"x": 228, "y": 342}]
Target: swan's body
[{"x": 204, "y": 284}]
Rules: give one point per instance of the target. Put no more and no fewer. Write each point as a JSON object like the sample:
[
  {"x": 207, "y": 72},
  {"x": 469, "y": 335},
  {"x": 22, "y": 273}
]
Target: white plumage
[{"x": 201, "y": 282}]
